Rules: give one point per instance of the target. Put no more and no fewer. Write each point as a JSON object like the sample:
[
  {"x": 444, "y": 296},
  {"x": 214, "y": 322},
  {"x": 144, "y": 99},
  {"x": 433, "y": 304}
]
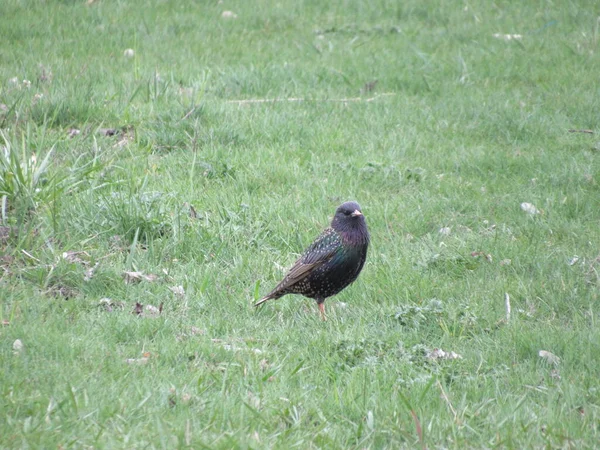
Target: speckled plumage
[{"x": 332, "y": 262}]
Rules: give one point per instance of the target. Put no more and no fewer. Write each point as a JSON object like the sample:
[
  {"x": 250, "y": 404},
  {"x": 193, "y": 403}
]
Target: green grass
[{"x": 459, "y": 130}]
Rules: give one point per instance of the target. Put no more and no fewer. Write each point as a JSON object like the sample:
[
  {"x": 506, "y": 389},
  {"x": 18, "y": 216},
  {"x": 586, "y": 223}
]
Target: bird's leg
[{"x": 322, "y": 311}]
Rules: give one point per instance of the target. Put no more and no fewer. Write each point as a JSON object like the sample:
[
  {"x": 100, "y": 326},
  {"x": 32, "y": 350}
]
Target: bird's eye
[{"x": 347, "y": 213}]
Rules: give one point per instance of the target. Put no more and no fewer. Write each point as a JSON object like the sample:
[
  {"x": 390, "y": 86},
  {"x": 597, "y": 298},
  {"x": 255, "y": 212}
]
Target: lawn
[{"x": 164, "y": 162}]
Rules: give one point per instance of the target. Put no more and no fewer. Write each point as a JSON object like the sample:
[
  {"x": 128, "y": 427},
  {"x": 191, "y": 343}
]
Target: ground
[{"x": 164, "y": 163}]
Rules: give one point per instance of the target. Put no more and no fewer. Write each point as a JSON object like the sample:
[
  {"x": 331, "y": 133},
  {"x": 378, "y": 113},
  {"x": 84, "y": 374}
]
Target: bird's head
[{"x": 348, "y": 216}]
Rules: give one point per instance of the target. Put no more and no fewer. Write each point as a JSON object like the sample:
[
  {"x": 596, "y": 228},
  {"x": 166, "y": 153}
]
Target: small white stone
[
  {"x": 17, "y": 346},
  {"x": 128, "y": 53},
  {"x": 137, "y": 361},
  {"x": 228, "y": 15},
  {"x": 445, "y": 231},
  {"x": 508, "y": 37}
]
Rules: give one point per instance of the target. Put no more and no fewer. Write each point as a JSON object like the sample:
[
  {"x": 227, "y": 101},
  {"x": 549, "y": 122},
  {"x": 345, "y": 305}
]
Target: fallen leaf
[
  {"x": 438, "y": 353},
  {"x": 177, "y": 290},
  {"x": 172, "y": 397},
  {"x": 108, "y": 131},
  {"x": 127, "y": 135},
  {"x": 36, "y": 98},
  {"x": 90, "y": 272},
  {"x": 116, "y": 242},
  {"x": 5, "y": 233},
  {"x": 128, "y": 53},
  {"x": 6, "y": 260},
  {"x": 253, "y": 400},
  {"x": 574, "y": 260},
  {"x": 551, "y": 358},
  {"x": 151, "y": 311},
  {"x": 193, "y": 213},
  {"x": 525, "y": 313},
  {"x": 139, "y": 309},
  {"x": 264, "y": 364},
  {"x": 73, "y": 132},
  {"x": 61, "y": 290},
  {"x": 148, "y": 311},
  {"x": 5, "y": 323},
  {"x": 136, "y": 277},
  {"x": 109, "y": 304},
  {"x": 529, "y": 208},
  {"x": 45, "y": 75},
  {"x": 487, "y": 256},
  {"x": 76, "y": 257}
]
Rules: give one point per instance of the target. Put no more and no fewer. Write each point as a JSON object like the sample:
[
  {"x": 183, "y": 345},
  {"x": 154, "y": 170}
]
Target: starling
[{"x": 332, "y": 262}]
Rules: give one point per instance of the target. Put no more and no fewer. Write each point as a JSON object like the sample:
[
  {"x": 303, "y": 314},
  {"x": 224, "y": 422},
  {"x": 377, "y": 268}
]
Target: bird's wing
[{"x": 320, "y": 252}]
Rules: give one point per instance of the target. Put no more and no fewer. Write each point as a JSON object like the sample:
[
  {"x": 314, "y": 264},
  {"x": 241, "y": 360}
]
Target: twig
[
  {"x": 189, "y": 113},
  {"x": 299, "y": 99},
  {"x": 265, "y": 100},
  {"x": 30, "y": 255},
  {"x": 581, "y": 131},
  {"x": 507, "y": 306}
]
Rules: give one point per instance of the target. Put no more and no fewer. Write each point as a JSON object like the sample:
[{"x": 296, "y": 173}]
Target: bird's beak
[{"x": 356, "y": 213}]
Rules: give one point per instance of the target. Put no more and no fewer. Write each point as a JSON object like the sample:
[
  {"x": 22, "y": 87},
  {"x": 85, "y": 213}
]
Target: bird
[{"x": 331, "y": 262}]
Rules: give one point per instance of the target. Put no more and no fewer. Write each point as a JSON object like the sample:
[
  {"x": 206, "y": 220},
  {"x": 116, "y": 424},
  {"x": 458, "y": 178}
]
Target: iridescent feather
[{"x": 331, "y": 262}]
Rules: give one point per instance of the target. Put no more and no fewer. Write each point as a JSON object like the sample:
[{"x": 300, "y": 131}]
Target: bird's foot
[{"x": 322, "y": 311}]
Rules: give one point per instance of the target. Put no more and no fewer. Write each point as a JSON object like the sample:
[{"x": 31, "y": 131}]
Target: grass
[{"x": 158, "y": 163}]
